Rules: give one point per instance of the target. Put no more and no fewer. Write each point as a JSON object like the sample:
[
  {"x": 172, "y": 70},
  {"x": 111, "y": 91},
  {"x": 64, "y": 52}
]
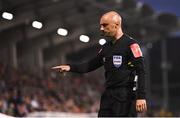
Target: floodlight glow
[
  {"x": 102, "y": 41},
  {"x": 84, "y": 38},
  {"x": 37, "y": 24},
  {"x": 62, "y": 32},
  {"x": 7, "y": 16}
]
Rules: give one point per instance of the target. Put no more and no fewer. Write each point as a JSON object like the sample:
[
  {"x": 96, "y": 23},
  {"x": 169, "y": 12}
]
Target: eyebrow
[{"x": 104, "y": 24}]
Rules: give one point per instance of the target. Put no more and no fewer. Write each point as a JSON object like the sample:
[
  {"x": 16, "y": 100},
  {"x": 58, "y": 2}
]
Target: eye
[{"x": 104, "y": 25}]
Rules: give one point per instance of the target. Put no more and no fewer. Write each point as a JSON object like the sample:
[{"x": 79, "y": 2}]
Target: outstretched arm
[
  {"x": 84, "y": 67},
  {"x": 87, "y": 66}
]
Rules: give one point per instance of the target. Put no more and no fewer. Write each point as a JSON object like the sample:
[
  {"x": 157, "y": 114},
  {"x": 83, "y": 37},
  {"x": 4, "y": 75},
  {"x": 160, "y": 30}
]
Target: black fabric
[
  {"x": 121, "y": 67},
  {"x": 117, "y": 102},
  {"x": 117, "y": 76}
]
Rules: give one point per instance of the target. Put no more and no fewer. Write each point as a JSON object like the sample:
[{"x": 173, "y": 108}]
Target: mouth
[{"x": 103, "y": 33}]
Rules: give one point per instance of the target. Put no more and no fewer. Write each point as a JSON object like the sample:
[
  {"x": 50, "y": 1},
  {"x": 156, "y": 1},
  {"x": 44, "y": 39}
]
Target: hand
[
  {"x": 141, "y": 105},
  {"x": 62, "y": 68}
]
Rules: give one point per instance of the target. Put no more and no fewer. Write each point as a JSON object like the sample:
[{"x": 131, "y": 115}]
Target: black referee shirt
[{"x": 122, "y": 60}]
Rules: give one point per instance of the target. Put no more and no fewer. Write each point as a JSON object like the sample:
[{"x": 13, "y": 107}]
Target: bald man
[{"x": 124, "y": 70}]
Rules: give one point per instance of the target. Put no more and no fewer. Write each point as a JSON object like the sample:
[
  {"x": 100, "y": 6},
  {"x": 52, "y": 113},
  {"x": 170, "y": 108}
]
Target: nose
[{"x": 101, "y": 28}]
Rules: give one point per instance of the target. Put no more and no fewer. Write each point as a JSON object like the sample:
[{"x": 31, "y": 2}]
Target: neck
[{"x": 119, "y": 34}]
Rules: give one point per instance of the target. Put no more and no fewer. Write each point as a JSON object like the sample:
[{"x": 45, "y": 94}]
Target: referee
[{"x": 124, "y": 70}]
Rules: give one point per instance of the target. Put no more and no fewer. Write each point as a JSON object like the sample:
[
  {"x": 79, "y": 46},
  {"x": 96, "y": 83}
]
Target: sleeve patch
[{"x": 136, "y": 50}]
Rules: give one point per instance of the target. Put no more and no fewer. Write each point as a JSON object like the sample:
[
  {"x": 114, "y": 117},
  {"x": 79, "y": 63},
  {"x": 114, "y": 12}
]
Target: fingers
[
  {"x": 145, "y": 107},
  {"x": 61, "y": 68},
  {"x": 56, "y": 67},
  {"x": 138, "y": 108},
  {"x": 141, "y": 106}
]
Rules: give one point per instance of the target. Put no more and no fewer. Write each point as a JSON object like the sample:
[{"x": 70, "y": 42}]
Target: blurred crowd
[{"x": 23, "y": 92}]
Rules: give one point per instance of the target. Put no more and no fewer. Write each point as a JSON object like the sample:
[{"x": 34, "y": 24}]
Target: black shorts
[{"x": 117, "y": 102}]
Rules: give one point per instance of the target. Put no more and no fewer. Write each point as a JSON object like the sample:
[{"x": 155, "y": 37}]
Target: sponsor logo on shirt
[{"x": 117, "y": 60}]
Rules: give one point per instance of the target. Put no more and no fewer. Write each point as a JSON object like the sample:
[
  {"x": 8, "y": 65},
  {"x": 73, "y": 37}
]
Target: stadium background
[{"x": 27, "y": 53}]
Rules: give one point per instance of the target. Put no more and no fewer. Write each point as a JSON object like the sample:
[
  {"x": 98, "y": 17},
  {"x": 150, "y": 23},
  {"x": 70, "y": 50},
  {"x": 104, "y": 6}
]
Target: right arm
[
  {"x": 84, "y": 67},
  {"x": 87, "y": 66}
]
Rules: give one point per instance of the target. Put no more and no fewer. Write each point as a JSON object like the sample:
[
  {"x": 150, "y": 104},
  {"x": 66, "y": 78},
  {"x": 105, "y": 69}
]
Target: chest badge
[{"x": 117, "y": 60}]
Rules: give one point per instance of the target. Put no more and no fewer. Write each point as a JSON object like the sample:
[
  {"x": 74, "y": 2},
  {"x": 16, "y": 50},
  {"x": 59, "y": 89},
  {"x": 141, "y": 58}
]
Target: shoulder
[
  {"x": 134, "y": 47},
  {"x": 131, "y": 40}
]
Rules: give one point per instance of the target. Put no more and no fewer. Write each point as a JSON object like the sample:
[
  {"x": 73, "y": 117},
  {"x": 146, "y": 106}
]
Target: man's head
[{"x": 110, "y": 24}]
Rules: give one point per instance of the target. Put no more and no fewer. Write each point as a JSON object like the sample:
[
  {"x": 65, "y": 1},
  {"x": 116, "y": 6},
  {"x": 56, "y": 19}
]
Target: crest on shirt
[{"x": 117, "y": 60}]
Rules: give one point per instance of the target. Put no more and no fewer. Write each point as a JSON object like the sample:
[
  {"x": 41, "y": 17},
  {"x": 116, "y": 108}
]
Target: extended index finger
[{"x": 56, "y": 67}]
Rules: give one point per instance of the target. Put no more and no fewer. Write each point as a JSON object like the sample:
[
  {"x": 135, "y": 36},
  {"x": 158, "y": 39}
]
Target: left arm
[
  {"x": 140, "y": 71},
  {"x": 138, "y": 62}
]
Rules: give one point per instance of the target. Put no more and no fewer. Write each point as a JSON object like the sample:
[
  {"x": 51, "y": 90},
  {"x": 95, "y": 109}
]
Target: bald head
[
  {"x": 111, "y": 24},
  {"x": 112, "y": 17}
]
